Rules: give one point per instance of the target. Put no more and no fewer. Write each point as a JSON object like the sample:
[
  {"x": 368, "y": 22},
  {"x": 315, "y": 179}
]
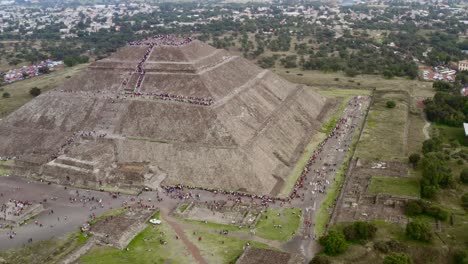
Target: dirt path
[
  {"x": 426, "y": 127},
  {"x": 180, "y": 232},
  {"x": 243, "y": 236}
]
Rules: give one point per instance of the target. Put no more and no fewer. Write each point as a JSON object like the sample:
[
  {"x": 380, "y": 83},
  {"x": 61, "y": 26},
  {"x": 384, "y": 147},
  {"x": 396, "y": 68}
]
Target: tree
[
  {"x": 397, "y": 258},
  {"x": 414, "y": 159},
  {"x": 431, "y": 145},
  {"x": 35, "y": 91},
  {"x": 318, "y": 259},
  {"x": 435, "y": 173},
  {"x": 418, "y": 230},
  {"x": 6, "y": 95},
  {"x": 464, "y": 176},
  {"x": 391, "y": 104},
  {"x": 359, "y": 231},
  {"x": 464, "y": 200},
  {"x": 334, "y": 243},
  {"x": 414, "y": 208}
]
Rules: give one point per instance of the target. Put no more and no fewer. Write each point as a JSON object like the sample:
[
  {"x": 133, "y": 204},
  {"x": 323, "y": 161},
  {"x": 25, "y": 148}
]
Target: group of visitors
[{"x": 162, "y": 40}]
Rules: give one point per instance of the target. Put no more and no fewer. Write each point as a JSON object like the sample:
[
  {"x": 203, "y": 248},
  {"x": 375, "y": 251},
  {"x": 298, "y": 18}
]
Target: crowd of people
[
  {"x": 13, "y": 207},
  {"x": 5, "y": 158},
  {"x": 162, "y": 40},
  {"x": 140, "y": 70},
  {"x": 178, "y": 190}
]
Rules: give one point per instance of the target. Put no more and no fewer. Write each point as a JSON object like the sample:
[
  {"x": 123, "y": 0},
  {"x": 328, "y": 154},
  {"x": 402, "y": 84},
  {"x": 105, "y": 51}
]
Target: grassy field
[
  {"x": 222, "y": 249},
  {"x": 19, "y": 91},
  {"x": 146, "y": 247},
  {"x": 338, "y": 79},
  {"x": 394, "y": 185},
  {"x": 48, "y": 251},
  {"x": 289, "y": 219},
  {"x": 385, "y": 133},
  {"x": 4, "y": 171}
]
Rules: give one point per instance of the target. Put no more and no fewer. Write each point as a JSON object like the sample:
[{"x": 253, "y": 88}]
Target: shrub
[
  {"x": 35, "y": 91},
  {"x": 391, "y": 104},
  {"x": 464, "y": 176},
  {"x": 320, "y": 260},
  {"x": 382, "y": 246},
  {"x": 359, "y": 231},
  {"x": 397, "y": 258},
  {"x": 437, "y": 213},
  {"x": 334, "y": 243},
  {"x": 460, "y": 257},
  {"x": 431, "y": 145},
  {"x": 414, "y": 208},
  {"x": 6, "y": 95},
  {"x": 414, "y": 159},
  {"x": 418, "y": 230},
  {"x": 464, "y": 199}
]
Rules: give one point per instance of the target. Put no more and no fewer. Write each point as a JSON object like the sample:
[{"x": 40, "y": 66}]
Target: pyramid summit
[{"x": 167, "y": 111}]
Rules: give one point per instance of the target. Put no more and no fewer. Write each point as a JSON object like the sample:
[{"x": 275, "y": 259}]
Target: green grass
[
  {"x": 183, "y": 207},
  {"x": 448, "y": 133},
  {"x": 19, "y": 91},
  {"x": 384, "y": 136},
  {"x": 216, "y": 248},
  {"x": 48, "y": 251},
  {"x": 113, "y": 212},
  {"x": 4, "y": 171},
  {"x": 321, "y": 79},
  {"x": 394, "y": 185},
  {"x": 289, "y": 219},
  {"x": 144, "y": 248}
]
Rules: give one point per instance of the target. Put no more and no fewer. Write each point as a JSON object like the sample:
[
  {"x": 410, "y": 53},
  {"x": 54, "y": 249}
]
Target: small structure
[
  {"x": 119, "y": 230},
  {"x": 463, "y": 65},
  {"x": 254, "y": 255},
  {"x": 17, "y": 212},
  {"x": 465, "y": 127}
]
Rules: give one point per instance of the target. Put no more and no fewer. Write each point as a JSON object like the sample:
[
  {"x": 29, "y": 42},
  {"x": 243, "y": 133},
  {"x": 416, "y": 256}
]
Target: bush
[
  {"x": 464, "y": 176},
  {"x": 382, "y": 246},
  {"x": 6, "y": 95},
  {"x": 437, "y": 213},
  {"x": 460, "y": 257},
  {"x": 414, "y": 208},
  {"x": 431, "y": 145},
  {"x": 418, "y": 230},
  {"x": 320, "y": 260},
  {"x": 464, "y": 199},
  {"x": 391, "y": 104},
  {"x": 359, "y": 231},
  {"x": 414, "y": 159},
  {"x": 35, "y": 91},
  {"x": 397, "y": 258},
  {"x": 334, "y": 243}
]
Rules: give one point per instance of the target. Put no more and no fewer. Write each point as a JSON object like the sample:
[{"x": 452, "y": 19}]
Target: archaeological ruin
[{"x": 154, "y": 113}]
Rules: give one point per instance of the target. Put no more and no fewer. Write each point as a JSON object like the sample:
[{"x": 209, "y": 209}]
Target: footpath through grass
[
  {"x": 279, "y": 225},
  {"x": 395, "y": 185},
  {"x": 146, "y": 248},
  {"x": 48, "y": 251},
  {"x": 217, "y": 248}
]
